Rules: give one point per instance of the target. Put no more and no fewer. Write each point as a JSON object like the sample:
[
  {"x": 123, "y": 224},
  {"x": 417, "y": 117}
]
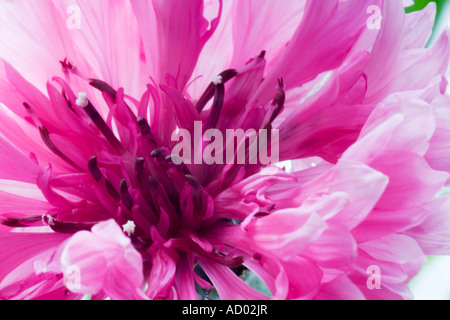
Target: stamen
[
  {"x": 33, "y": 116},
  {"x": 211, "y": 89},
  {"x": 181, "y": 166},
  {"x": 143, "y": 125},
  {"x": 67, "y": 64},
  {"x": 129, "y": 227},
  {"x": 262, "y": 55},
  {"x": 27, "y": 221},
  {"x": 217, "y": 106},
  {"x": 49, "y": 143},
  {"x": 159, "y": 154},
  {"x": 104, "y": 87},
  {"x": 97, "y": 175},
  {"x": 153, "y": 184},
  {"x": 146, "y": 131},
  {"x": 65, "y": 227},
  {"x": 48, "y": 220},
  {"x": 84, "y": 103},
  {"x": 155, "y": 191},
  {"x": 139, "y": 165},
  {"x": 278, "y": 101},
  {"x": 125, "y": 196},
  {"x": 257, "y": 256},
  {"x": 196, "y": 190},
  {"x": 94, "y": 170},
  {"x": 69, "y": 104}
]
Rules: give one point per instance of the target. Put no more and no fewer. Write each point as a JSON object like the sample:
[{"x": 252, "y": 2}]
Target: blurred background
[{"x": 433, "y": 281}]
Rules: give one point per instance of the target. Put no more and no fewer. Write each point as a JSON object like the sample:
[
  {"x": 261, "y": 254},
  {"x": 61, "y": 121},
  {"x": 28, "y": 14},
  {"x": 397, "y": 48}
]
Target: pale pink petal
[
  {"x": 179, "y": 26},
  {"x": 16, "y": 165},
  {"x": 432, "y": 234},
  {"x": 21, "y": 250},
  {"x": 263, "y": 25},
  {"x": 341, "y": 288},
  {"x": 105, "y": 260},
  {"x": 328, "y": 29},
  {"x": 380, "y": 223},
  {"x": 411, "y": 180}
]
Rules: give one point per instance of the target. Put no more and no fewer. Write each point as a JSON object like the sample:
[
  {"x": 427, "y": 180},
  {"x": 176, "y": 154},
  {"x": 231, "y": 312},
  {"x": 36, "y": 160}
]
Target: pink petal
[
  {"x": 263, "y": 25},
  {"x": 15, "y": 165},
  {"x": 21, "y": 250},
  {"x": 396, "y": 248},
  {"x": 179, "y": 26},
  {"x": 328, "y": 122},
  {"x": 341, "y": 288},
  {"x": 321, "y": 42},
  {"x": 432, "y": 234},
  {"x": 184, "y": 279},
  {"x": 411, "y": 180},
  {"x": 359, "y": 185},
  {"x": 380, "y": 223},
  {"x": 106, "y": 261}
]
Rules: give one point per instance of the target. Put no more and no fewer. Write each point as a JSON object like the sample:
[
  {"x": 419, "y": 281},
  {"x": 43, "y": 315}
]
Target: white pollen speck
[
  {"x": 129, "y": 227},
  {"x": 217, "y": 80},
  {"x": 82, "y": 100},
  {"x": 48, "y": 219}
]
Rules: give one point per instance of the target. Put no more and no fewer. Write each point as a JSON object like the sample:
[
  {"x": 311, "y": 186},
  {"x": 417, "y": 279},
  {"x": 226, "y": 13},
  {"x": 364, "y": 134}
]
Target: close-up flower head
[{"x": 222, "y": 149}]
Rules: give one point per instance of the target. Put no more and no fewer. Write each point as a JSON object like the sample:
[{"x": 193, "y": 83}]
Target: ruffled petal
[{"x": 103, "y": 260}]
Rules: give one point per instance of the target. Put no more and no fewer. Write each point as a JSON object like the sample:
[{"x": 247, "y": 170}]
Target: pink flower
[{"x": 93, "y": 202}]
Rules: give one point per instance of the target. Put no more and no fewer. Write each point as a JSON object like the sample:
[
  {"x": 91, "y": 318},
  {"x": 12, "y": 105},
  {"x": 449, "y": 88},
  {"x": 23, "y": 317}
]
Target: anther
[
  {"x": 87, "y": 106},
  {"x": 67, "y": 64},
  {"x": 139, "y": 165},
  {"x": 94, "y": 170},
  {"x": 125, "y": 196},
  {"x": 65, "y": 227},
  {"x": 104, "y": 87},
  {"x": 154, "y": 189},
  {"x": 97, "y": 175},
  {"x": 211, "y": 89},
  {"x": 159, "y": 154},
  {"x": 49, "y": 143},
  {"x": 181, "y": 166},
  {"x": 48, "y": 220},
  {"x": 20, "y": 221},
  {"x": 143, "y": 125},
  {"x": 262, "y": 55},
  {"x": 196, "y": 190},
  {"x": 278, "y": 101},
  {"x": 110, "y": 91},
  {"x": 257, "y": 256},
  {"x": 217, "y": 106}
]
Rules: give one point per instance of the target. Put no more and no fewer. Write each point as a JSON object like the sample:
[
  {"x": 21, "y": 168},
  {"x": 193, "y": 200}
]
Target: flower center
[{"x": 130, "y": 175}]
